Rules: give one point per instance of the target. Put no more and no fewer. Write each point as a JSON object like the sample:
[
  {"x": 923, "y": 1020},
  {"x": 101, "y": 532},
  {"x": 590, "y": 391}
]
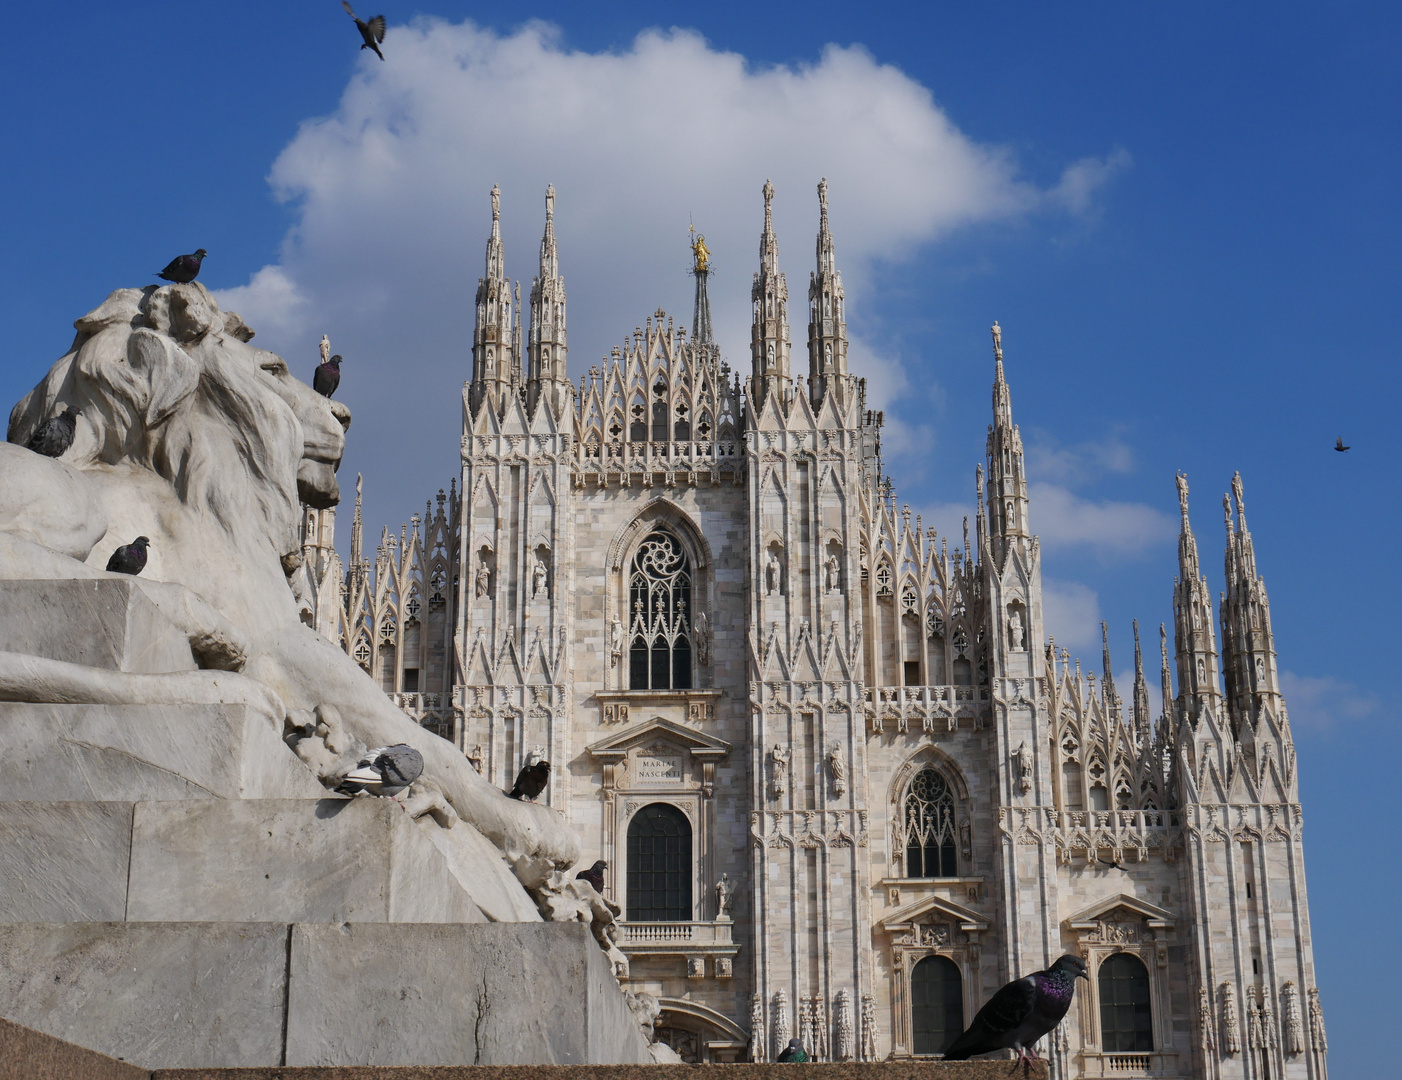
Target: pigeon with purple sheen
[
  {"x": 385, "y": 771},
  {"x": 1022, "y": 1012},
  {"x": 55, "y": 435},
  {"x": 183, "y": 269},
  {"x": 327, "y": 376},
  {"x": 371, "y": 33},
  {"x": 129, "y": 558},
  {"x": 531, "y": 781},
  {"x": 794, "y": 1052},
  {"x": 594, "y": 875}
]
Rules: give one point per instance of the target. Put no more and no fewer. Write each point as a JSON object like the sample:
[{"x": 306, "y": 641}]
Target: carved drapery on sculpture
[{"x": 659, "y": 601}]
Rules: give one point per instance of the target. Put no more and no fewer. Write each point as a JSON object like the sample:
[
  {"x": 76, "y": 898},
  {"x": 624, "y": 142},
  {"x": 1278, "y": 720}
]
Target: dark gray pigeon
[
  {"x": 594, "y": 875},
  {"x": 385, "y": 771},
  {"x": 327, "y": 376},
  {"x": 372, "y": 32},
  {"x": 1340, "y": 447},
  {"x": 794, "y": 1052},
  {"x": 129, "y": 558},
  {"x": 531, "y": 781},
  {"x": 183, "y": 269},
  {"x": 1022, "y": 1012},
  {"x": 55, "y": 435}
]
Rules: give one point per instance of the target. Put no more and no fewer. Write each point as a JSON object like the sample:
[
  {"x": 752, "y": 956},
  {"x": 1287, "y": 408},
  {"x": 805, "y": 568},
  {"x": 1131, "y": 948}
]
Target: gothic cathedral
[{"x": 844, "y": 784}]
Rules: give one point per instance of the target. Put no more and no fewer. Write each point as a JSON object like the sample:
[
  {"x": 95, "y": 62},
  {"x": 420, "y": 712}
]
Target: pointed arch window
[
  {"x": 1125, "y": 1023},
  {"x": 929, "y": 827},
  {"x": 659, "y": 602}
]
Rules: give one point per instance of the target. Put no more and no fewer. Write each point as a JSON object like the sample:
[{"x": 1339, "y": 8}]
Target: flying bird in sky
[
  {"x": 373, "y": 32},
  {"x": 129, "y": 558},
  {"x": 183, "y": 269},
  {"x": 1022, "y": 1012},
  {"x": 1340, "y": 447}
]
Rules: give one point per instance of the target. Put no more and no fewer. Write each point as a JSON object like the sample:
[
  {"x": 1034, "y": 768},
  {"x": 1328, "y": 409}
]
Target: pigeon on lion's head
[{"x": 191, "y": 436}]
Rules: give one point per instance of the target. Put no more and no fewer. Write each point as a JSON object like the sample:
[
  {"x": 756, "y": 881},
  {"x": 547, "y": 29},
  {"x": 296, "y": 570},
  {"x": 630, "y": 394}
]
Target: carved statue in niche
[
  {"x": 484, "y": 576},
  {"x": 778, "y": 770},
  {"x": 1023, "y": 756},
  {"x": 616, "y": 640},
  {"x": 772, "y": 575},
  {"x": 837, "y": 765},
  {"x": 703, "y": 639},
  {"x": 832, "y": 573},
  {"x": 539, "y": 576},
  {"x": 1016, "y": 632},
  {"x": 476, "y": 757},
  {"x": 725, "y": 892}
]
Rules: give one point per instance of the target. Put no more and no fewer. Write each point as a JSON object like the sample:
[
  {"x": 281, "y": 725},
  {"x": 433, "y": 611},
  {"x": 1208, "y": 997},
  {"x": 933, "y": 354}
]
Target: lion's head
[{"x": 166, "y": 384}]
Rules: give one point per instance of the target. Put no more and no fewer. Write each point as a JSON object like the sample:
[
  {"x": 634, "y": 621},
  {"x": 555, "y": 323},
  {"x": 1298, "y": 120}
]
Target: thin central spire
[{"x": 768, "y": 243}]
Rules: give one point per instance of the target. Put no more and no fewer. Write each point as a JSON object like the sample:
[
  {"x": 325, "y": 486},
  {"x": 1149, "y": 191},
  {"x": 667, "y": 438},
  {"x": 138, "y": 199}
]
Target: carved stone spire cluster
[
  {"x": 769, "y": 328},
  {"x": 1248, "y": 645},
  {"x": 493, "y": 349},
  {"x": 1195, "y": 643},
  {"x": 548, "y": 349},
  {"x": 1007, "y": 479},
  {"x": 827, "y": 324}
]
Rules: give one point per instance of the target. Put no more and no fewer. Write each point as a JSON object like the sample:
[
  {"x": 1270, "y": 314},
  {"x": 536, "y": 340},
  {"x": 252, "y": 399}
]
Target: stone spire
[
  {"x": 827, "y": 324},
  {"x": 1165, "y": 680},
  {"x": 547, "y": 350},
  {"x": 1194, "y": 641},
  {"x": 769, "y": 330},
  {"x": 1107, "y": 679},
  {"x": 357, "y": 527},
  {"x": 1007, "y": 480},
  {"x": 1248, "y": 645},
  {"x": 493, "y": 358},
  {"x": 1140, "y": 713},
  {"x": 701, "y": 333}
]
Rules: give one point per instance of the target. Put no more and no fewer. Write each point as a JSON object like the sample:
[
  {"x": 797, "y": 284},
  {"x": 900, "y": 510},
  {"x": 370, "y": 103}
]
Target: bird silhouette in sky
[
  {"x": 373, "y": 32},
  {"x": 1340, "y": 447}
]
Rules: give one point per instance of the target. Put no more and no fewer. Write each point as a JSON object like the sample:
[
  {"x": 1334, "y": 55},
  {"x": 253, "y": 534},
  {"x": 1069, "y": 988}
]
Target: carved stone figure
[
  {"x": 484, "y": 578},
  {"x": 1231, "y": 1030},
  {"x": 724, "y": 893},
  {"x": 539, "y": 588},
  {"x": 757, "y": 1042},
  {"x": 1016, "y": 632},
  {"x": 778, "y": 770},
  {"x": 772, "y": 572},
  {"x": 1294, "y": 1023},
  {"x": 844, "y": 1041},
  {"x": 832, "y": 573},
  {"x": 325, "y": 348},
  {"x": 837, "y": 765},
  {"x": 1023, "y": 756},
  {"x": 1205, "y": 1019},
  {"x": 782, "y": 1032},
  {"x": 476, "y": 757},
  {"x": 869, "y": 1028},
  {"x": 616, "y": 641},
  {"x": 1318, "y": 1038},
  {"x": 702, "y": 630}
]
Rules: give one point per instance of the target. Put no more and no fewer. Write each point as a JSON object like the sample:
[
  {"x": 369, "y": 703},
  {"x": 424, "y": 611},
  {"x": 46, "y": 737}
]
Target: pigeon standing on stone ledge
[
  {"x": 594, "y": 875},
  {"x": 183, "y": 269},
  {"x": 55, "y": 435},
  {"x": 794, "y": 1052},
  {"x": 1022, "y": 1012},
  {"x": 385, "y": 771},
  {"x": 129, "y": 558},
  {"x": 327, "y": 376},
  {"x": 531, "y": 781}
]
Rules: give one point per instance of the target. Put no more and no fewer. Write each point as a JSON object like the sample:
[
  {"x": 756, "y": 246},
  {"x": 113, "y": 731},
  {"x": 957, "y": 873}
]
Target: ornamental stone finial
[
  {"x": 496, "y": 203},
  {"x": 1181, "y": 479}
]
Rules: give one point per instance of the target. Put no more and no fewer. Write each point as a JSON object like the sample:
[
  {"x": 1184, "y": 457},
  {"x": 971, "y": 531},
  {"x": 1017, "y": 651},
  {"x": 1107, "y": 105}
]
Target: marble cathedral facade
[{"x": 845, "y": 786}]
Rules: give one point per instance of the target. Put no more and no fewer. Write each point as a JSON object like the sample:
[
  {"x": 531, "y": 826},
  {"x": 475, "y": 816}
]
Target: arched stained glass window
[
  {"x": 929, "y": 827},
  {"x": 659, "y": 602},
  {"x": 1125, "y": 1024},
  {"x": 659, "y": 865},
  {"x": 936, "y": 1004}
]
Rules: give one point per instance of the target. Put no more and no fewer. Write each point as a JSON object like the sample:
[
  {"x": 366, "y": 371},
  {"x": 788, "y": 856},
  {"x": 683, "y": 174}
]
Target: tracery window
[
  {"x": 659, "y": 601},
  {"x": 936, "y": 1004},
  {"x": 659, "y": 865},
  {"x": 1125, "y": 1023},
  {"x": 929, "y": 827}
]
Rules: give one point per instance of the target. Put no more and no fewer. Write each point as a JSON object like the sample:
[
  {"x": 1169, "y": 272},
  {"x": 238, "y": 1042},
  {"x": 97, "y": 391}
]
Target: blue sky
[{"x": 1184, "y": 217}]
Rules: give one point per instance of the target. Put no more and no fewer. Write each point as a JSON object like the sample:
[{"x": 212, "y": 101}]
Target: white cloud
[
  {"x": 1060, "y": 517},
  {"x": 390, "y": 193},
  {"x": 1082, "y": 179},
  {"x": 1050, "y": 459},
  {"x": 1321, "y": 701},
  {"x": 1072, "y": 614}
]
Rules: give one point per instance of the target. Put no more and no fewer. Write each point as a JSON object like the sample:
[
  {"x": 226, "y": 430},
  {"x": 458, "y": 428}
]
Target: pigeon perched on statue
[
  {"x": 55, "y": 435},
  {"x": 183, "y": 269},
  {"x": 327, "y": 376},
  {"x": 385, "y": 771},
  {"x": 129, "y": 558},
  {"x": 372, "y": 32},
  {"x": 594, "y": 875},
  {"x": 1021, "y": 1013},
  {"x": 794, "y": 1052},
  {"x": 531, "y": 781}
]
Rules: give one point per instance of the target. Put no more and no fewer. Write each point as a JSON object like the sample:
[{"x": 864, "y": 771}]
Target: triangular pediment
[
  {"x": 1086, "y": 919},
  {"x": 936, "y": 907},
  {"x": 700, "y": 744}
]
